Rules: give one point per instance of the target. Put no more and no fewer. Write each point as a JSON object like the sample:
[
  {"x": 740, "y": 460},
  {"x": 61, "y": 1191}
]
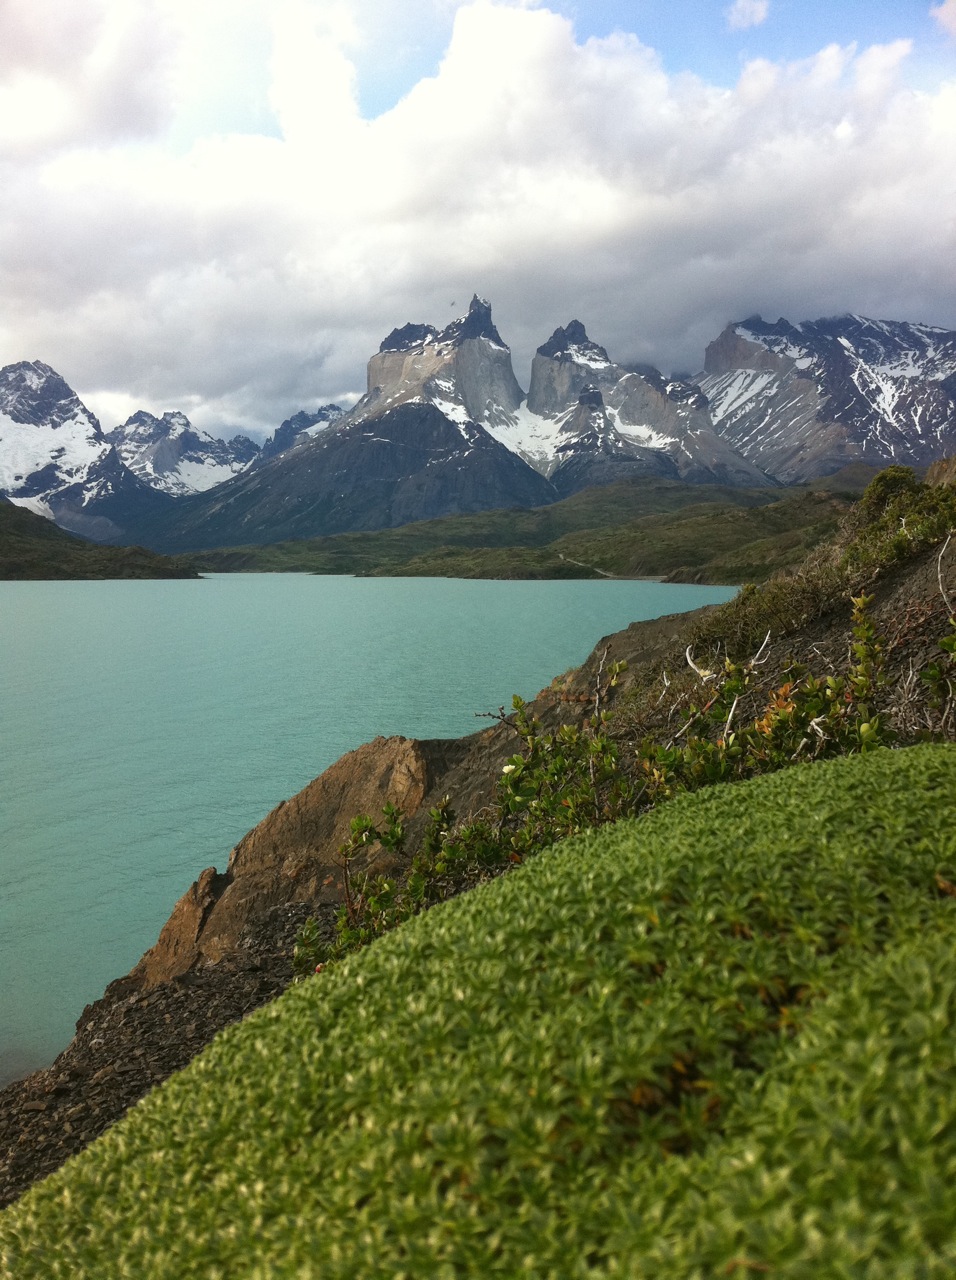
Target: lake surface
[{"x": 146, "y": 726}]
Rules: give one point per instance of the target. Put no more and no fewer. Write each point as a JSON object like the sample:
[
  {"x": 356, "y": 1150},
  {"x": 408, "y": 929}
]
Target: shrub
[
  {"x": 578, "y": 777},
  {"x": 713, "y": 1042}
]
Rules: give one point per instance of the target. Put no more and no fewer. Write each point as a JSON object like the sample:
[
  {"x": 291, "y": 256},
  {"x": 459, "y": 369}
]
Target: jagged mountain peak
[
  {"x": 573, "y": 343},
  {"x": 33, "y": 392},
  {"x": 171, "y": 455},
  {"x": 408, "y": 337},
  {"x": 476, "y": 324},
  {"x": 463, "y": 369},
  {"x": 803, "y": 400},
  {"x": 55, "y": 459},
  {"x": 300, "y": 427},
  {"x": 145, "y": 423}
]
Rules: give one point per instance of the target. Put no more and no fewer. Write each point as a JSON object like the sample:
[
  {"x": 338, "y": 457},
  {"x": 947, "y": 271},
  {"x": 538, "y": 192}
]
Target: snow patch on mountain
[
  {"x": 171, "y": 455},
  {"x": 532, "y": 436},
  {"x": 802, "y": 400},
  {"x": 68, "y": 448}
]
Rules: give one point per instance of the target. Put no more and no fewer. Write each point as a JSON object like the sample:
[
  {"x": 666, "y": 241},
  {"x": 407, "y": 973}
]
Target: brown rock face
[
  {"x": 942, "y": 472},
  {"x": 730, "y": 352},
  {"x": 291, "y": 856}
]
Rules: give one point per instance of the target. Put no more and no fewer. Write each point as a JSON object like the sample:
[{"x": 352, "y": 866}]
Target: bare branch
[
  {"x": 597, "y": 683},
  {"x": 730, "y": 716},
  {"x": 760, "y": 657},
  {"x": 939, "y": 575},
  {"x": 704, "y": 675}
]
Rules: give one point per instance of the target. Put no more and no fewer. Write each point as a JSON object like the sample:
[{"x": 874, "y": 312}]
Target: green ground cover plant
[
  {"x": 32, "y": 547},
  {"x": 578, "y": 776},
  {"x": 638, "y": 528},
  {"x": 715, "y": 1040}
]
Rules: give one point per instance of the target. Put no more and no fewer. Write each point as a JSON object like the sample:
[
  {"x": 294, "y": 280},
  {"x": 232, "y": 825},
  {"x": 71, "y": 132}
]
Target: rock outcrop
[
  {"x": 464, "y": 369},
  {"x": 291, "y": 856},
  {"x": 56, "y": 461},
  {"x": 806, "y": 400},
  {"x": 172, "y": 455},
  {"x": 942, "y": 472}
]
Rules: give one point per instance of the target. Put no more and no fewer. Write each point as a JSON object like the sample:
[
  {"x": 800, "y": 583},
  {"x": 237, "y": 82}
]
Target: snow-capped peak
[
  {"x": 573, "y": 344},
  {"x": 171, "y": 455}
]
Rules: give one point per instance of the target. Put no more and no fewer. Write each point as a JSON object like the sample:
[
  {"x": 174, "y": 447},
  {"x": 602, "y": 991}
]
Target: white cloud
[
  {"x": 252, "y": 273},
  {"x": 945, "y": 15},
  {"x": 80, "y": 74},
  {"x": 747, "y": 13}
]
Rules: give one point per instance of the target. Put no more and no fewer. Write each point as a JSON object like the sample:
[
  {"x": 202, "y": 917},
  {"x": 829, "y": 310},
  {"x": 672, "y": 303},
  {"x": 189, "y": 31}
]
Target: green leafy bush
[
  {"x": 896, "y": 518},
  {"x": 713, "y": 1041},
  {"x": 576, "y": 777}
]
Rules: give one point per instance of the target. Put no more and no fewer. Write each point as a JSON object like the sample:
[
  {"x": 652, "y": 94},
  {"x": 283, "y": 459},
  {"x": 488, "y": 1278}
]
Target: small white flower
[{"x": 509, "y": 768}]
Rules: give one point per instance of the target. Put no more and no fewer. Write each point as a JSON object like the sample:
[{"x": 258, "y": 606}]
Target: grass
[
  {"x": 32, "y": 547},
  {"x": 896, "y": 519},
  {"x": 641, "y": 528},
  {"x": 713, "y": 1041}
]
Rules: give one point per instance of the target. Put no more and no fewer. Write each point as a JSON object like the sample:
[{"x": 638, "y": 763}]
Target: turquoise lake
[{"x": 146, "y": 726}]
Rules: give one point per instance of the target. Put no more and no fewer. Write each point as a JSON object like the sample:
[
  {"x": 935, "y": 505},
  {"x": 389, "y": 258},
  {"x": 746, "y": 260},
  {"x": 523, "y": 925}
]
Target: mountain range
[{"x": 444, "y": 428}]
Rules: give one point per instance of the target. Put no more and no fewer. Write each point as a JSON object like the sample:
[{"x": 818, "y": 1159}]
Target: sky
[{"x": 223, "y": 206}]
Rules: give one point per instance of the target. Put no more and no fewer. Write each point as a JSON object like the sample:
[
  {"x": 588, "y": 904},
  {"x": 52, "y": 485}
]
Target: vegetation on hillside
[
  {"x": 715, "y": 1041},
  {"x": 32, "y": 547},
  {"x": 639, "y": 528},
  {"x": 732, "y": 715},
  {"x": 712, "y": 1040}
]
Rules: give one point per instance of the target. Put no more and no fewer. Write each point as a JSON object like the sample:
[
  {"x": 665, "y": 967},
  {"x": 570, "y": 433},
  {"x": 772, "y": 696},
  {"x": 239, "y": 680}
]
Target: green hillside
[
  {"x": 32, "y": 547},
  {"x": 639, "y": 528},
  {"x": 713, "y": 1041}
]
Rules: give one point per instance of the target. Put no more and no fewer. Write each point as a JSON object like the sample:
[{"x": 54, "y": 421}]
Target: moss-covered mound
[{"x": 718, "y": 1040}]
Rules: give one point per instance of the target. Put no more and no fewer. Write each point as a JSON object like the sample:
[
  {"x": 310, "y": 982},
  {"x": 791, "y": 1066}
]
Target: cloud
[
  {"x": 81, "y": 74},
  {"x": 945, "y": 15},
  {"x": 243, "y": 274},
  {"x": 747, "y": 13}
]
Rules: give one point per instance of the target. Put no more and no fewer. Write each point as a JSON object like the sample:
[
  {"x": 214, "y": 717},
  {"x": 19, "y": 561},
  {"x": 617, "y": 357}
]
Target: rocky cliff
[
  {"x": 171, "y": 455},
  {"x": 56, "y": 461},
  {"x": 290, "y": 857},
  {"x": 805, "y": 400},
  {"x": 588, "y": 421},
  {"x": 464, "y": 369}
]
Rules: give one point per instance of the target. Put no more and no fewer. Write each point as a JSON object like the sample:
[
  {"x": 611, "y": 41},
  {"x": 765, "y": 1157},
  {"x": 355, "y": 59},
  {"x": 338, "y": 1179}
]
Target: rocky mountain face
[
  {"x": 56, "y": 461},
  {"x": 584, "y": 421},
  {"x": 300, "y": 427},
  {"x": 416, "y": 446},
  {"x": 590, "y": 421},
  {"x": 444, "y": 427},
  {"x": 804, "y": 400},
  {"x": 171, "y": 455},
  {"x": 412, "y": 463},
  {"x": 464, "y": 370}
]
